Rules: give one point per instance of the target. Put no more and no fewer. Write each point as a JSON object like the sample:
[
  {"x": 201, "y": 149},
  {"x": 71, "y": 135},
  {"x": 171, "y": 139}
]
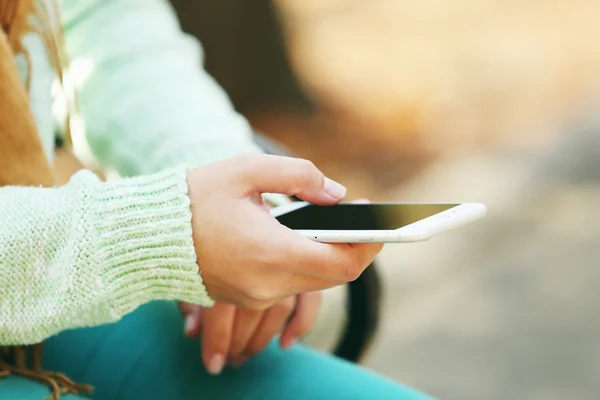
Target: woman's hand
[
  {"x": 246, "y": 257},
  {"x": 234, "y": 334}
]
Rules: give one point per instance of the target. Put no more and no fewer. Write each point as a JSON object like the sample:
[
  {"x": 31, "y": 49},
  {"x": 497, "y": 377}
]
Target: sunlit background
[{"x": 427, "y": 100}]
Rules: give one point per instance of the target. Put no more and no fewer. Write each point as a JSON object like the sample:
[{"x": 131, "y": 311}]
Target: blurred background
[{"x": 494, "y": 101}]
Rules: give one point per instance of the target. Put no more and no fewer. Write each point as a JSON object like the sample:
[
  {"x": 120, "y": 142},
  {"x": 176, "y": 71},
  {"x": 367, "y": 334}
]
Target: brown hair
[
  {"x": 14, "y": 19},
  {"x": 19, "y": 17},
  {"x": 22, "y": 160}
]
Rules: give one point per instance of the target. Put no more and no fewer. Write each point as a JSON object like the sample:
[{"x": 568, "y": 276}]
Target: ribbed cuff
[{"x": 144, "y": 232}]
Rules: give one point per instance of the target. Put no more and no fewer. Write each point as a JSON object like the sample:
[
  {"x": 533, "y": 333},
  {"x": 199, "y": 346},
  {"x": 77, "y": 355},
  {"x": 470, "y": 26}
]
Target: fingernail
[
  {"x": 190, "y": 324},
  {"x": 215, "y": 364},
  {"x": 238, "y": 362},
  {"x": 334, "y": 189}
]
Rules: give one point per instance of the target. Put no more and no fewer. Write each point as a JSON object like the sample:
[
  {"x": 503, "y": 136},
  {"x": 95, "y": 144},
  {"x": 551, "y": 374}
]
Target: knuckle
[
  {"x": 306, "y": 172},
  {"x": 256, "y": 305},
  {"x": 260, "y": 293},
  {"x": 272, "y": 258},
  {"x": 306, "y": 165},
  {"x": 245, "y": 162}
]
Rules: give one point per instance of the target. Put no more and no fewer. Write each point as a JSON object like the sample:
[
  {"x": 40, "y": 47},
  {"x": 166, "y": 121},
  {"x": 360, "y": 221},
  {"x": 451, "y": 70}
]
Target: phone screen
[{"x": 359, "y": 216}]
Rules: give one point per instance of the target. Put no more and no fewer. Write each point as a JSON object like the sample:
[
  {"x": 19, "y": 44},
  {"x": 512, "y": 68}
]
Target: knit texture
[{"x": 89, "y": 252}]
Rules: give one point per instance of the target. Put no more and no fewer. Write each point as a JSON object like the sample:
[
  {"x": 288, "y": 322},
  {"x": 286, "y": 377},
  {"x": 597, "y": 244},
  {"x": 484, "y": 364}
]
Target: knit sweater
[{"x": 89, "y": 252}]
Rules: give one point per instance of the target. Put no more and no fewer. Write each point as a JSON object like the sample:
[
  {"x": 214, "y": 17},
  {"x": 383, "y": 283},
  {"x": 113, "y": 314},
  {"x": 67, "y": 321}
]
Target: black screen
[{"x": 359, "y": 216}]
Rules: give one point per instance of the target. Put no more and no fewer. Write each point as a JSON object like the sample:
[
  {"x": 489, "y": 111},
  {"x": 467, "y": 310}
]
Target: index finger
[
  {"x": 340, "y": 262},
  {"x": 290, "y": 176}
]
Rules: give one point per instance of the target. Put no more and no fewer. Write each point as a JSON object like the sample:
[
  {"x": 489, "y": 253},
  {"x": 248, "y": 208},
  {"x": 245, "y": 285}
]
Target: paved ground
[{"x": 507, "y": 308}]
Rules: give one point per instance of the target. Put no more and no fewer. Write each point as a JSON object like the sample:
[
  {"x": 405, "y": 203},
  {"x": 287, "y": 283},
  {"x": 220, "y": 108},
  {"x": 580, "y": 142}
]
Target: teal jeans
[{"x": 146, "y": 356}]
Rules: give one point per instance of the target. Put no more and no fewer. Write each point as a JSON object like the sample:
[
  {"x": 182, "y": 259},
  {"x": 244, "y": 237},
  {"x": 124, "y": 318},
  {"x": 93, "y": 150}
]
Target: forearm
[
  {"x": 147, "y": 102},
  {"x": 90, "y": 252}
]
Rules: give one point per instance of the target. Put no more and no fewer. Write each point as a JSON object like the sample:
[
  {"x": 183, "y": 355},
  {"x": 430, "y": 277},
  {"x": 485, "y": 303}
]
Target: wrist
[{"x": 144, "y": 241}]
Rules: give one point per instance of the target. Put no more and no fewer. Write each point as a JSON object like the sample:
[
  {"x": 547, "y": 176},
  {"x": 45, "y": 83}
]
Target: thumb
[{"x": 291, "y": 176}]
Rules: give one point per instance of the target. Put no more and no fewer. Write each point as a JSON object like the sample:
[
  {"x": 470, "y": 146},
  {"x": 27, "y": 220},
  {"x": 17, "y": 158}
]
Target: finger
[
  {"x": 303, "y": 284},
  {"x": 192, "y": 317},
  {"x": 216, "y": 336},
  {"x": 366, "y": 255},
  {"x": 290, "y": 176},
  {"x": 271, "y": 324},
  {"x": 291, "y": 285},
  {"x": 244, "y": 327},
  {"x": 186, "y": 308},
  {"x": 343, "y": 262},
  {"x": 303, "y": 320}
]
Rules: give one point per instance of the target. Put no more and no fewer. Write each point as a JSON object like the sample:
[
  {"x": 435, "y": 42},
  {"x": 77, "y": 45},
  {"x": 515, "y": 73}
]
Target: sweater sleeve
[
  {"x": 147, "y": 102},
  {"x": 90, "y": 252}
]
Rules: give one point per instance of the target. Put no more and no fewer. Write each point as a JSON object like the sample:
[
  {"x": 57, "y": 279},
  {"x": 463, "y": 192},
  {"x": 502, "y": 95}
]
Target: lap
[{"x": 146, "y": 355}]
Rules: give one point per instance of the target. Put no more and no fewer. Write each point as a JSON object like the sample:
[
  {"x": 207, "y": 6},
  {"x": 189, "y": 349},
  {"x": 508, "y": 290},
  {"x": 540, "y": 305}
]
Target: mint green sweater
[{"x": 89, "y": 252}]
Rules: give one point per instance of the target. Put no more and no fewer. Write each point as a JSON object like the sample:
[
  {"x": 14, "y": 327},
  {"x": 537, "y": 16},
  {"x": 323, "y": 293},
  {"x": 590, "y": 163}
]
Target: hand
[
  {"x": 246, "y": 257},
  {"x": 235, "y": 334}
]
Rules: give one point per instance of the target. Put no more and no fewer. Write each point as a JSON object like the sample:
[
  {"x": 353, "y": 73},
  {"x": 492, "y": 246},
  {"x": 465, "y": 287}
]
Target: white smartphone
[{"x": 375, "y": 222}]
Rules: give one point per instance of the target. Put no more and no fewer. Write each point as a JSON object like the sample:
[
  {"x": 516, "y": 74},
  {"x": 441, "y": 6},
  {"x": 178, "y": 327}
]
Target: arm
[
  {"x": 146, "y": 100},
  {"x": 87, "y": 253}
]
